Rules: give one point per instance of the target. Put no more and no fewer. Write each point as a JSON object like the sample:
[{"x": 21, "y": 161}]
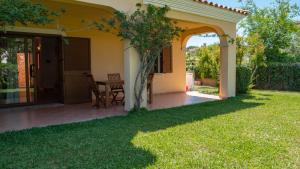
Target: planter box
[
  {"x": 208, "y": 82},
  {"x": 198, "y": 82}
]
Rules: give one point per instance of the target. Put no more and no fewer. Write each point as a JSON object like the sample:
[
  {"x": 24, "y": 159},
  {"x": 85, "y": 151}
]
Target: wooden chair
[
  {"x": 100, "y": 96},
  {"x": 149, "y": 88},
  {"x": 116, "y": 88}
]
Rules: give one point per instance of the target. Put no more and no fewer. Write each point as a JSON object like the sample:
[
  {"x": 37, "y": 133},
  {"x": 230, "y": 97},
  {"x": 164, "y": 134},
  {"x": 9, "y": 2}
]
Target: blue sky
[{"x": 198, "y": 41}]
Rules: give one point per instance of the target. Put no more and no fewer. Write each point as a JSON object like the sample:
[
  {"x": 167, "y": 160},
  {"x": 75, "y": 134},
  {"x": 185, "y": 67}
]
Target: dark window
[{"x": 164, "y": 62}]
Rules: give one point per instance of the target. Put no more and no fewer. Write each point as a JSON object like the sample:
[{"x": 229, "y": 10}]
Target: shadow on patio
[{"x": 105, "y": 143}]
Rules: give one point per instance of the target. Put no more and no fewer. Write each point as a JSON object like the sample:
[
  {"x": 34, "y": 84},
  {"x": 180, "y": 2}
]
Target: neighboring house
[{"x": 54, "y": 67}]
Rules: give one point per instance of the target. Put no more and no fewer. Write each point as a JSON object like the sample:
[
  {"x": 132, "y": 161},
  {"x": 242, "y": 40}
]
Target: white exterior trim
[{"x": 192, "y": 7}]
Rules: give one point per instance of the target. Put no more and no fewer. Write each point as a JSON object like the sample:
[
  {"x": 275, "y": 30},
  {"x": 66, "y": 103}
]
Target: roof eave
[{"x": 193, "y": 7}]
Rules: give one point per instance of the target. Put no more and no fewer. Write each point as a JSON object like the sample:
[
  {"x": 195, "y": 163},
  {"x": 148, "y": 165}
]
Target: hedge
[
  {"x": 243, "y": 79},
  {"x": 278, "y": 76}
]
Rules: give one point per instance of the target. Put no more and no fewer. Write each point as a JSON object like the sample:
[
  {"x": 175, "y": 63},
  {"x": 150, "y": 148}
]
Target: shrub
[
  {"x": 8, "y": 76},
  {"x": 278, "y": 76},
  {"x": 243, "y": 79},
  {"x": 207, "y": 61}
]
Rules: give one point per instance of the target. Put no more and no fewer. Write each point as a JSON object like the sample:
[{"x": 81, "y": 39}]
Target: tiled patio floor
[
  {"x": 169, "y": 100},
  {"x": 39, "y": 116}
]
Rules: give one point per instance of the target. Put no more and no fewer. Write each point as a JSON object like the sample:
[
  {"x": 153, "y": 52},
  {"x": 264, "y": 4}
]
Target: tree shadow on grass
[{"x": 105, "y": 143}]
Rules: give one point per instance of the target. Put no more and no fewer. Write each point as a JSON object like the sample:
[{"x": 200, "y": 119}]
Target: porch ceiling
[
  {"x": 78, "y": 16},
  {"x": 87, "y": 4}
]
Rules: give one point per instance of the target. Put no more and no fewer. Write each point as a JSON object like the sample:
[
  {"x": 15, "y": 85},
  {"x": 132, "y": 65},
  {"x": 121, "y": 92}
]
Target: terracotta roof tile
[{"x": 237, "y": 10}]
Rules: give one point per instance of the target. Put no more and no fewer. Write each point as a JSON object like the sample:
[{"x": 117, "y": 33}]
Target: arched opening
[
  {"x": 203, "y": 63},
  {"x": 217, "y": 39}
]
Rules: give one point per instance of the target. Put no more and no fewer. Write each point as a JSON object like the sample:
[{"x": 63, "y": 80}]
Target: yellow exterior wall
[
  {"x": 106, "y": 48},
  {"x": 175, "y": 81},
  {"x": 107, "y": 51}
]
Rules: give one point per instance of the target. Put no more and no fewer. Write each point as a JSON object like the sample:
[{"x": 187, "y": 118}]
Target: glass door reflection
[{"x": 15, "y": 85}]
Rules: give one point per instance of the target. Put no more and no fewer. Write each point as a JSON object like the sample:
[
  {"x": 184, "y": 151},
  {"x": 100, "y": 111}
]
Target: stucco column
[
  {"x": 227, "y": 69},
  {"x": 131, "y": 66}
]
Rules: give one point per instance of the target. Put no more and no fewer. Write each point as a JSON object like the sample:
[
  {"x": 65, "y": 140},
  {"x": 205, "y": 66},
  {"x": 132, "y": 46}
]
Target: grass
[
  {"x": 207, "y": 90},
  {"x": 16, "y": 90},
  {"x": 259, "y": 130}
]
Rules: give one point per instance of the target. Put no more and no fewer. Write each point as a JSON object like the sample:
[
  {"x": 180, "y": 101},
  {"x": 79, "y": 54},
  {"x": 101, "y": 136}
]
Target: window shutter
[{"x": 167, "y": 60}]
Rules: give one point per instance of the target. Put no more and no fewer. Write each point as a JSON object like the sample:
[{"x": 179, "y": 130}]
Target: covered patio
[
  {"x": 101, "y": 53},
  {"x": 46, "y": 115}
]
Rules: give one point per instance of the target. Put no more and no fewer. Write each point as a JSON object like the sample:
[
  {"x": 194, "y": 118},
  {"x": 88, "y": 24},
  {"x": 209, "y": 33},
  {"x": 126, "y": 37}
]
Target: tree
[
  {"x": 255, "y": 51},
  {"x": 24, "y": 12},
  {"x": 294, "y": 49},
  {"x": 273, "y": 25},
  {"x": 250, "y": 52},
  {"x": 208, "y": 61},
  {"x": 149, "y": 31},
  {"x": 241, "y": 50},
  {"x": 191, "y": 58}
]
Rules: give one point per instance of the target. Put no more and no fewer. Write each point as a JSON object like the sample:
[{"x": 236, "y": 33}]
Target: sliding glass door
[{"x": 16, "y": 70}]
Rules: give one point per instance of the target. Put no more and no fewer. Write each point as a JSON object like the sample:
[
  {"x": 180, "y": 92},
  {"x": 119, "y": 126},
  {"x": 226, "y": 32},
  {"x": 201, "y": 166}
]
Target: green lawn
[
  {"x": 207, "y": 90},
  {"x": 260, "y": 130}
]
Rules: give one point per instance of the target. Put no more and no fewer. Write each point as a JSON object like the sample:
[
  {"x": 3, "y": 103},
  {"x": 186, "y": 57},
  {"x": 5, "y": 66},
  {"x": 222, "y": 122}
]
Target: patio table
[{"x": 107, "y": 84}]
